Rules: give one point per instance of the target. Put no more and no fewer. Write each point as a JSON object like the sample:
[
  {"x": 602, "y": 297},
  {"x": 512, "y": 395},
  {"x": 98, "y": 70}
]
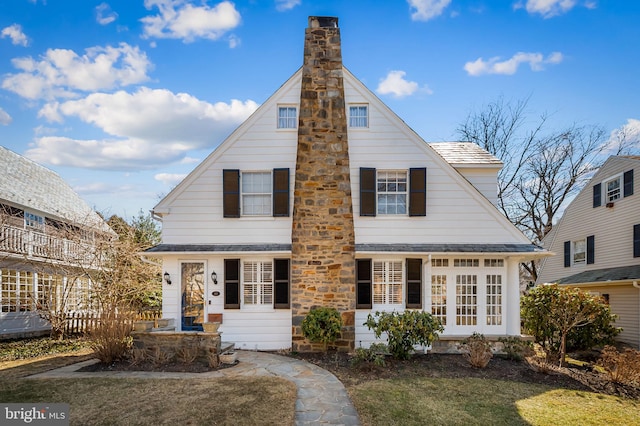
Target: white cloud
[
  {"x": 14, "y": 32},
  {"x": 101, "y": 188},
  {"x": 5, "y": 118},
  {"x": 104, "y": 14},
  {"x": 395, "y": 84},
  {"x": 181, "y": 20},
  {"x": 234, "y": 41},
  {"x": 283, "y": 5},
  {"x": 549, "y": 8},
  {"x": 536, "y": 62},
  {"x": 170, "y": 179},
  {"x": 63, "y": 73},
  {"x": 427, "y": 9},
  {"x": 626, "y": 138},
  {"x": 142, "y": 136}
]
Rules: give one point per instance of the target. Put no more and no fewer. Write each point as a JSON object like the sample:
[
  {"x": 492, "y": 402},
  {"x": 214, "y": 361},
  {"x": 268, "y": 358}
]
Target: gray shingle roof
[
  {"x": 29, "y": 185},
  {"x": 464, "y": 153},
  {"x": 622, "y": 273}
]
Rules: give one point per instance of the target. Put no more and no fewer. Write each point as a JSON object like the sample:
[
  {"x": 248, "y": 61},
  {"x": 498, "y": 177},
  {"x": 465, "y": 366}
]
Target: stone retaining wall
[{"x": 171, "y": 341}]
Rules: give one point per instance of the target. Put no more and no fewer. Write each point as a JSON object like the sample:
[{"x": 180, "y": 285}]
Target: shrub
[
  {"x": 110, "y": 339},
  {"x": 160, "y": 357},
  {"x": 187, "y": 354},
  {"x": 372, "y": 356},
  {"x": 213, "y": 359},
  {"x": 621, "y": 367},
  {"x": 405, "y": 330},
  {"x": 138, "y": 356},
  {"x": 515, "y": 348},
  {"x": 322, "y": 325},
  {"x": 477, "y": 350}
]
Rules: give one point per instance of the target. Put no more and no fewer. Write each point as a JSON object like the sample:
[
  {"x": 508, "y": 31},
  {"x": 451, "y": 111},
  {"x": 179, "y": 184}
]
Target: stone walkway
[{"x": 322, "y": 399}]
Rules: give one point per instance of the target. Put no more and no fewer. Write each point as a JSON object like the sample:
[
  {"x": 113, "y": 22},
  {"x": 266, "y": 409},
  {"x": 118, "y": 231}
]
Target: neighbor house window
[
  {"x": 494, "y": 299},
  {"x": 579, "y": 251},
  {"x": 613, "y": 189},
  {"x": 256, "y": 193},
  {"x": 16, "y": 290},
  {"x": 387, "y": 283},
  {"x": 33, "y": 221},
  {"x": 358, "y": 116},
  {"x": 392, "y": 192},
  {"x": 466, "y": 299},
  {"x": 439, "y": 297},
  {"x": 287, "y": 117},
  {"x": 257, "y": 279}
]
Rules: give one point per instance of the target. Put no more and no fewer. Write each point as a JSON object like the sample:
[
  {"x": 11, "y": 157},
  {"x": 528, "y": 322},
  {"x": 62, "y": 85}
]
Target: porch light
[
  {"x": 167, "y": 278},
  {"x": 214, "y": 277}
]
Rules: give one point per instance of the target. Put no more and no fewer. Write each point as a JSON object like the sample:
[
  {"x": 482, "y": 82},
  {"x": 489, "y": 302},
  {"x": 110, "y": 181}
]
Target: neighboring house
[
  {"x": 44, "y": 227},
  {"x": 598, "y": 243},
  {"x": 325, "y": 197}
]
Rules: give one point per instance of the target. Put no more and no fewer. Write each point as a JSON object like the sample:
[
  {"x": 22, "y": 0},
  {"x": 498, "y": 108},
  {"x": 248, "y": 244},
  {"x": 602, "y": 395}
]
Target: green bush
[
  {"x": 405, "y": 330},
  {"x": 322, "y": 325},
  {"x": 372, "y": 356},
  {"x": 515, "y": 348}
]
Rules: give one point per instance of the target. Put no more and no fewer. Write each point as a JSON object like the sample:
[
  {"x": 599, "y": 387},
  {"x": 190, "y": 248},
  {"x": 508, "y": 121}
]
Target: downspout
[{"x": 637, "y": 285}]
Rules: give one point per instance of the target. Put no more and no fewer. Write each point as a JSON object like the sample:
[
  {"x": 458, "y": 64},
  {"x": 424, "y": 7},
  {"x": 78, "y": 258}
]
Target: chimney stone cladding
[{"x": 323, "y": 236}]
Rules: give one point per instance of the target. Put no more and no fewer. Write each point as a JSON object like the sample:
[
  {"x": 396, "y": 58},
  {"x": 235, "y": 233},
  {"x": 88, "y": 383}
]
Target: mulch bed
[
  {"x": 170, "y": 367},
  {"x": 456, "y": 366}
]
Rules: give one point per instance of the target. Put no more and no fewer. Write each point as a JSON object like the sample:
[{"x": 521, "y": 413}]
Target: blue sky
[{"x": 124, "y": 97}]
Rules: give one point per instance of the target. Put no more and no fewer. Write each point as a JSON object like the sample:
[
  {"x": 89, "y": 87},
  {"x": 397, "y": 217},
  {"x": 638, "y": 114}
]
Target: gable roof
[
  {"x": 29, "y": 185},
  {"x": 461, "y": 154}
]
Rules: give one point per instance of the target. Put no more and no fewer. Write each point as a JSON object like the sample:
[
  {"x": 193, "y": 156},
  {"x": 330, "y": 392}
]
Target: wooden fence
[{"x": 82, "y": 322}]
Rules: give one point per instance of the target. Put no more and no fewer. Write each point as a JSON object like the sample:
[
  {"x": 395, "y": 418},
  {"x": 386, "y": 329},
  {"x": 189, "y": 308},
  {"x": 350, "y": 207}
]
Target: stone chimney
[{"x": 323, "y": 237}]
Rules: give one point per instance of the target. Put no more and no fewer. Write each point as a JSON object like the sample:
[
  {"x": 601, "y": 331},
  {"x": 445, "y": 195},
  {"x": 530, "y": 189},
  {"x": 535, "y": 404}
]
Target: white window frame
[
  {"x": 263, "y": 193},
  {"x": 33, "y": 221},
  {"x": 388, "y": 283},
  {"x": 466, "y": 300},
  {"x": 579, "y": 251},
  {"x": 611, "y": 195},
  {"x": 285, "y": 119},
  {"x": 439, "y": 297},
  {"x": 389, "y": 185},
  {"x": 257, "y": 284},
  {"x": 359, "y": 116},
  {"x": 494, "y": 292}
]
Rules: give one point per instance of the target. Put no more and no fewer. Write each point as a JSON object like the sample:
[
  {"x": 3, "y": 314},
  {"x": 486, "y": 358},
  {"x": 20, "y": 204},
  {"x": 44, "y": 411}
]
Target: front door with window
[{"x": 192, "y": 281}]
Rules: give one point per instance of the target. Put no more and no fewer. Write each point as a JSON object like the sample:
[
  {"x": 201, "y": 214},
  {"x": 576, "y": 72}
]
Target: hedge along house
[{"x": 325, "y": 197}]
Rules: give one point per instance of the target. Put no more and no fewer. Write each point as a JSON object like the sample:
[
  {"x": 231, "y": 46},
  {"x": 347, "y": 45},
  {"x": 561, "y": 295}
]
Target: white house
[
  {"x": 599, "y": 238},
  {"x": 413, "y": 225}
]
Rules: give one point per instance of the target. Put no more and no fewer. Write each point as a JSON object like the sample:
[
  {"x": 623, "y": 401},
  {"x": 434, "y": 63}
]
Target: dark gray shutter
[
  {"x": 281, "y": 284},
  {"x": 367, "y": 191},
  {"x": 231, "y": 193},
  {"x": 628, "y": 183},
  {"x": 591, "y": 249},
  {"x": 280, "y": 192},
  {"x": 597, "y": 195},
  {"x": 567, "y": 254},
  {"x": 414, "y": 283},
  {"x": 363, "y": 284},
  {"x": 418, "y": 192},
  {"x": 232, "y": 283},
  {"x": 636, "y": 240}
]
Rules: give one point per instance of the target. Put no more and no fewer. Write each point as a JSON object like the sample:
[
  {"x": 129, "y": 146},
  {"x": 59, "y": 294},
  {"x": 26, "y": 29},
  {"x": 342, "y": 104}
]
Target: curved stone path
[{"x": 322, "y": 399}]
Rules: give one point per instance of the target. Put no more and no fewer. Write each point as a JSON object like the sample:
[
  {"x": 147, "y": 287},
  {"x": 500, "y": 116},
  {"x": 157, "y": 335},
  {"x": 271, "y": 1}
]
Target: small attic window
[
  {"x": 287, "y": 117},
  {"x": 359, "y": 116}
]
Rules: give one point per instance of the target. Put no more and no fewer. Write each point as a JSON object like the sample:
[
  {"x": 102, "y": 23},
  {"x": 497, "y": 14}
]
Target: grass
[
  {"x": 473, "y": 401},
  {"x": 219, "y": 401}
]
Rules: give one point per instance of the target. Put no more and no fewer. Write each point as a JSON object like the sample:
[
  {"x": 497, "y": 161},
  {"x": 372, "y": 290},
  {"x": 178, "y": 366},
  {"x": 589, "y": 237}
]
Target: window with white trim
[
  {"x": 287, "y": 117},
  {"x": 257, "y": 282},
  {"x": 439, "y": 297},
  {"x": 33, "y": 221},
  {"x": 256, "y": 193},
  {"x": 48, "y": 288},
  {"x": 440, "y": 263},
  {"x": 466, "y": 299},
  {"x": 579, "y": 251},
  {"x": 612, "y": 189},
  {"x": 463, "y": 263},
  {"x": 494, "y": 299},
  {"x": 387, "y": 282},
  {"x": 16, "y": 291},
  {"x": 392, "y": 192},
  {"x": 494, "y": 263},
  {"x": 358, "y": 116}
]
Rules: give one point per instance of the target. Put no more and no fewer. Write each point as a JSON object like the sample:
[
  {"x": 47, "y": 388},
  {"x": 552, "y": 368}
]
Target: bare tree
[{"x": 542, "y": 169}]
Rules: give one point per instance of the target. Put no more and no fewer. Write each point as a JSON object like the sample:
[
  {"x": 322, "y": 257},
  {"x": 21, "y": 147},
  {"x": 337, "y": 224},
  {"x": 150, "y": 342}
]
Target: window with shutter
[
  {"x": 232, "y": 283},
  {"x": 367, "y": 191},
  {"x": 231, "y": 193},
  {"x": 281, "y": 192},
  {"x": 363, "y": 284},
  {"x": 418, "y": 192},
  {"x": 567, "y": 254},
  {"x": 414, "y": 283},
  {"x": 281, "y": 284},
  {"x": 257, "y": 283},
  {"x": 597, "y": 195},
  {"x": 628, "y": 183}
]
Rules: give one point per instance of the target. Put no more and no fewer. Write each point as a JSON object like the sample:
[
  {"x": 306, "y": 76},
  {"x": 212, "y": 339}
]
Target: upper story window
[
  {"x": 256, "y": 193},
  {"x": 33, "y": 221},
  {"x": 287, "y": 117},
  {"x": 358, "y": 116},
  {"x": 612, "y": 188},
  {"x": 392, "y": 192},
  {"x": 579, "y": 251}
]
